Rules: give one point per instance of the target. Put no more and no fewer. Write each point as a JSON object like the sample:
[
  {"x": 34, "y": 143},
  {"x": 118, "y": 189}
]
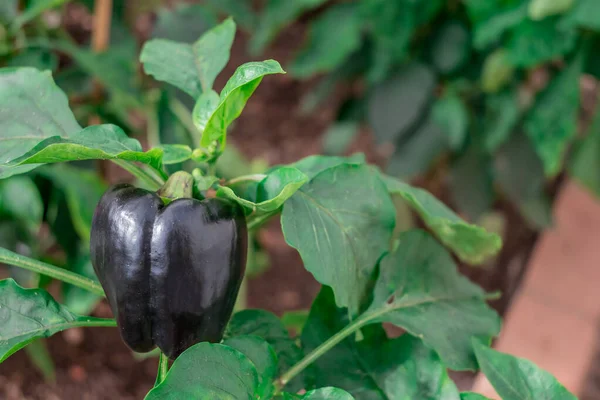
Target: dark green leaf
[
  {"x": 21, "y": 91},
  {"x": 240, "y": 10},
  {"x": 76, "y": 299},
  {"x": 518, "y": 379},
  {"x": 175, "y": 153},
  {"x": 501, "y": 117},
  {"x": 263, "y": 324},
  {"x": 502, "y": 19},
  {"x": 395, "y": 106},
  {"x": 341, "y": 228},
  {"x": 314, "y": 165},
  {"x": 183, "y": 23},
  {"x": 552, "y": 122},
  {"x": 375, "y": 367},
  {"x": 472, "y": 396},
  {"x": 535, "y": 42},
  {"x": 30, "y": 314},
  {"x": 420, "y": 290},
  {"x": 327, "y": 393},
  {"x": 41, "y": 59},
  {"x": 192, "y": 68},
  {"x": 452, "y": 47},
  {"x": 327, "y": 48},
  {"x": 20, "y": 199},
  {"x": 294, "y": 320},
  {"x": 275, "y": 15},
  {"x": 470, "y": 242},
  {"x": 209, "y": 371},
  {"x": 262, "y": 356},
  {"x": 452, "y": 115},
  {"x": 234, "y": 96}
]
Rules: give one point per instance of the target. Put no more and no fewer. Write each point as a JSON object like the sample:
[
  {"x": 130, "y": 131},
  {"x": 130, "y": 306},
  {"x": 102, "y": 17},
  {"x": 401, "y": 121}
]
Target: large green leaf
[
  {"x": 23, "y": 90},
  {"x": 234, "y": 96},
  {"x": 394, "y": 106},
  {"x": 278, "y": 186},
  {"x": 470, "y": 242},
  {"x": 516, "y": 378},
  {"x": 314, "y": 165},
  {"x": 420, "y": 290},
  {"x": 341, "y": 223},
  {"x": 103, "y": 142},
  {"x": 535, "y": 42},
  {"x": 263, "y": 324},
  {"x": 275, "y": 15},
  {"x": 209, "y": 371},
  {"x": 30, "y": 314},
  {"x": 262, "y": 356},
  {"x": 192, "y": 68},
  {"x": 375, "y": 367},
  {"x": 20, "y": 199},
  {"x": 328, "y": 48},
  {"x": 552, "y": 122}
]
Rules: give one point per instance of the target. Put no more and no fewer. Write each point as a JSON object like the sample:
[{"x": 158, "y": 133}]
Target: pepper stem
[{"x": 179, "y": 185}]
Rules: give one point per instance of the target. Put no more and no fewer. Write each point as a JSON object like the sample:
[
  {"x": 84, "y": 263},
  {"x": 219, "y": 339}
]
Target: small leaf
[
  {"x": 234, "y": 96},
  {"x": 263, "y": 324},
  {"x": 375, "y": 367},
  {"x": 205, "y": 106},
  {"x": 30, "y": 314},
  {"x": 552, "y": 122},
  {"x": 191, "y": 68},
  {"x": 262, "y": 356},
  {"x": 420, "y": 290},
  {"x": 328, "y": 48},
  {"x": 516, "y": 378},
  {"x": 341, "y": 228},
  {"x": 497, "y": 71},
  {"x": 540, "y": 9},
  {"x": 451, "y": 114},
  {"x": 175, "y": 153},
  {"x": 470, "y": 242},
  {"x": 394, "y": 106},
  {"x": 314, "y": 165},
  {"x": 226, "y": 374}
]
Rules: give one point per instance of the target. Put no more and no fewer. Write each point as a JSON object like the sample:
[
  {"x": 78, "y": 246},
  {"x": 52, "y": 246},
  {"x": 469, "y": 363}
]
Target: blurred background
[{"x": 491, "y": 105}]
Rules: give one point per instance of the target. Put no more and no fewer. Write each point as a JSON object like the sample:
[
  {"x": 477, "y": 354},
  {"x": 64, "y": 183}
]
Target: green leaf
[
  {"x": 326, "y": 393},
  {"x": 497, "y": 71},
  {"x": 502, "y": 115},
  {"x": 452, "y": 115},
  {"x": 205, "y": 106},
  {"x": 21, "y": 91},
  {"x": 499, "y": 21},
  {"x": 76, "y": 299},
  {"x": 209, "y": 371},
  {"x": 394, "y": 106},
  {"x": 33, "y": 10},
  {"x": 540, "y": 9},
  {"x": 375, "y": 367},
  {"x": 191, "y": 68},
  {"x": 275, "y": 15},
  {"x": 30, "y": 314},
  {"x": 234, "y": 96},
  {"x": 452, "y": 47},
  {"x": 341, "y": 228},
  {"x": 175, "y": 153},
  {"x": 20, "y": 199},
  {"x": 471, "y": 243},
  {"x": 552, "y": 122},
  {"x": 183, "y": 23},
  {"x": 314, "y": 165},
  {"x": 294, "y": 320},
  {"x": 262, "y": 356},
  {"x": 420, "y": 290},
  {"x": 584, "y": 14},
  {"x": 534, "y": 42},
  {"x": 585, "y": 163},
  {"x": 516, "y": 378},
  {"x": 472, "y": 396},
  {"x": 263, "y": 324},
  {"x": 328, "y": 48},
  {"x": 102, "y": 142},
  {"x": 277, "y": 187}
]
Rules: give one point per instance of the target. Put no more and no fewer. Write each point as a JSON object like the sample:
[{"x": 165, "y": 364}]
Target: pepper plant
[{"x": 337, "y": 212}]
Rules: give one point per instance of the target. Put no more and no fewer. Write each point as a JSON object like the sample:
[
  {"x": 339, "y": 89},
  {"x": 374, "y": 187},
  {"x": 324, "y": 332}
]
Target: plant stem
[
  {"x": 319, "y": 351},
  {"x": 185, "y": 117},
  {"x": 154, "y": 182},
  {"x": 17, "y": 260},
  {"x": 257, "y": 222},
  {"x": 163, "y": 368},
  {"x": 245, "y": 178},
  {"x": 95, "y": 323}
]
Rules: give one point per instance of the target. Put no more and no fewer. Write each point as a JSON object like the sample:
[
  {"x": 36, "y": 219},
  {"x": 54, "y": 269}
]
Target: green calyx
[{"x": 179, "y": 185}]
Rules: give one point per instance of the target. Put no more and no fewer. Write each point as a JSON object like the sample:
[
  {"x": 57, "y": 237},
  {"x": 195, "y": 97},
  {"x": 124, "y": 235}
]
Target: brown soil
[{"x": 95, "y": 364}]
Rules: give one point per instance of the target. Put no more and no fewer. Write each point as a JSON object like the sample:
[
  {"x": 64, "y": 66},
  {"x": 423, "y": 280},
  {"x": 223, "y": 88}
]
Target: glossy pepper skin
[{"x": 171, "y": 273}]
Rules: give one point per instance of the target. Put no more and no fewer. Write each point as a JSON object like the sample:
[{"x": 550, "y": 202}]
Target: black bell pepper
[{"x": 172, "y": 272}]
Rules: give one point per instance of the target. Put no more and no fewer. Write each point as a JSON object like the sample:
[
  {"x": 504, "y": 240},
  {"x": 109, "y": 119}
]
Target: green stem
[
  {"x": 185, "y": 117},
  {"x": 256, "y": 222},
  {"x": 319, "y": 351},
  {"x": 163, "y": 368},
  {"x": 95, "y": 323},
  {"x": 17, "y": 260},
  {"x": 153, "y": 182},
  {"x": 246, "y": 178}
]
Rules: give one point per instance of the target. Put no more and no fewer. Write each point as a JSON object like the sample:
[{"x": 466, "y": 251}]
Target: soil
[{"x": 94, "y": 363}]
